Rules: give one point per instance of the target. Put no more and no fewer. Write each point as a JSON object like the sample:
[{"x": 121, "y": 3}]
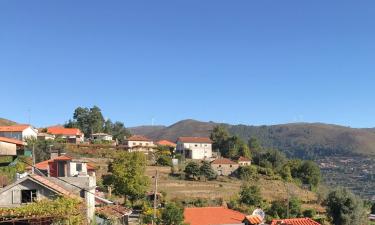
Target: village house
[
  {"x": 243, "y": 161},
  {"x": 45, "y": 136},
  {"x": 64, "y": 166},
  {"x": 20, "y": 132},
  {"x": 70, "y": 135},
  {"x": 138, "y": 143},
  {"x": 224, "y": 166},
  {"x": 194, "y": 147},
  {"x": 33, "y": 188},
  {"x": 10, "y": 146},
  {"x": 212, "y": 215},
  {"x": 101, "y": 137},
  {"x": 294, "y": 221}
]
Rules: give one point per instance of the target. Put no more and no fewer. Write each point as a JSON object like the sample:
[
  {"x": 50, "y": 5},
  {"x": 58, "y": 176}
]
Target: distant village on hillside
[{"x": 135, "y": 180}]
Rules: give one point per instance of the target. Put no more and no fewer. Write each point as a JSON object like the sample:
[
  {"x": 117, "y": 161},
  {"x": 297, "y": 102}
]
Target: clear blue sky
[{"x": 251, "y": 62}]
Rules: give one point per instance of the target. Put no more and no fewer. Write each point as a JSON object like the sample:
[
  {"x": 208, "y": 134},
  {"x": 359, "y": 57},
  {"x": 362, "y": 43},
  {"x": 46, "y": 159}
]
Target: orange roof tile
[
  {"x": 223, "y": 161},
  {"x": 138, "y": 138},
  {"x": 12, "y": 141},
  {"x": 212, "y": 215},
  {"x": 295, "y": 221},
  {"x": 194, "y": 139},
  {"x": 63, "y": 131},
  {"x": 14, "y": 128},
  {"x": 166, "y": 143},
  {"x": 243, "y": 159},
  {"x": 253, "y": 219}
]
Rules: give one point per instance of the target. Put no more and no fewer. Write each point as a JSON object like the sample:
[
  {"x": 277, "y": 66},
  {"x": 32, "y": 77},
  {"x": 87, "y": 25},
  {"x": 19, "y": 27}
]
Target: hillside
[
  {"x": 303, "y": 140},
  {"x": 5, "y": 122}
]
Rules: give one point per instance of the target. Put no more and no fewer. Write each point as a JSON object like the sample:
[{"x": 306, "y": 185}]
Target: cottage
[
  {"x": 101, "y": 137},
  {"x": 20, "y": 132},
  {"x": 71, "y": 135},
  {"x": 194, "y": 147},
  {"x": 64, "y": 166},
  {"x": 212, "y": 215},
  {"x": 295, "y": 221},
  {"x": 34, "y": 188},
  {"x": 243, "y": 161},
  {"x": 138, "y": 143},
  {"x": 224, "y": 166},
  {"x": 10, "y": 146}
]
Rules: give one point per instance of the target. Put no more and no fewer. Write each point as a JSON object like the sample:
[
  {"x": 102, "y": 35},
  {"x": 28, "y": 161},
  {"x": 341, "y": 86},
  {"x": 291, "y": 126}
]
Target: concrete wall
[
  {"x": 224, "y": 169},
  {"x": 141, "y": 146},
  {"x": 198, "y": 150},
  {"x": 29, "y": 133},
  {"x": 72, "y": 168},
  {"x": 8, "y": 148}
]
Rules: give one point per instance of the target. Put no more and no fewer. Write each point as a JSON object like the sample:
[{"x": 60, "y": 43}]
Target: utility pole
[
  {"x": 155, "y": 194},
  {"x": 32, "y": 168}
]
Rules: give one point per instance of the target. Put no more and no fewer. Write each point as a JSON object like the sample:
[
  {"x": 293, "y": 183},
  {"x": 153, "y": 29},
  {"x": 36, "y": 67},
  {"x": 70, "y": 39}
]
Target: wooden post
[{"x": 155, "y": 194}]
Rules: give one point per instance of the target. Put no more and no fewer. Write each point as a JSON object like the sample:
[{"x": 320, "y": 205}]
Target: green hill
[
  {"x": 303, "y": 140},
  {"x": 5, "y": 122}
]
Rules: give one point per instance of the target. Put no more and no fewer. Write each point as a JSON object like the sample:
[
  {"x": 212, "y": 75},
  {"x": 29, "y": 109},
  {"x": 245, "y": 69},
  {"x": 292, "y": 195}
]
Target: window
[
  {"x": 146, "y": 144},
  {"x": 28, "y": 196},
  {"x": 196, "y": 145},
  {"x": 79, "y": 167},
  {"x": 230, "y": 165},
  {"x": 219, "y": 165},
  {"x": 134, "y": 143}
]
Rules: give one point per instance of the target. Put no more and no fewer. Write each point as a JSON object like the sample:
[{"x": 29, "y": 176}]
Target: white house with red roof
[
  {"x": 194, "y": 147},
  {"x": 19, "y": 131},
  {"x": 139, "y": 143},
  {"x": 71, "y": 135}
]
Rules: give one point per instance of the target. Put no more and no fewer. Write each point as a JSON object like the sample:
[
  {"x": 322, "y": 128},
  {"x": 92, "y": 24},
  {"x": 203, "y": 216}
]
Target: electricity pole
[{"x": 155, "y": 195}]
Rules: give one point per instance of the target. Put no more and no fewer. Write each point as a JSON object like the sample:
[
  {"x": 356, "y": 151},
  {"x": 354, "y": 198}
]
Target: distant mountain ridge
[
  {"x": 302, "y": 140},
  {"x": 6, "y": 122}
]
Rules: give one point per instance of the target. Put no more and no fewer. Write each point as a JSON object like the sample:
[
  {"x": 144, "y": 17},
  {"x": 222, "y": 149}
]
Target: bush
[
  {"x": 192, "y": 170},
  {"x": 248, "y": 172},
  {"x": 309, "y": 213},
  {"x": 250, "y": 195},
  {"x": 207, "y": 171},
  {"x": 164, "y": 160}
]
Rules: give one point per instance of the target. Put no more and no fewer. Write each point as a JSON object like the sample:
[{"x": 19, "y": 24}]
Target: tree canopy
[
  {"x": 172, "y": 214},
  {"x": 128, "y": 175},
  {"x": 91, "y": 120},
  {"x": 344, "y": 208}
]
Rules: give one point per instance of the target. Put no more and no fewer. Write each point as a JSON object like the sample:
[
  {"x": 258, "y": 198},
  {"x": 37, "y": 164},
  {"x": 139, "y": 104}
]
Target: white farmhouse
[
  {"x": 138, "y": 143},
  {"x": 20, "y": 132},
  {"x": 194, "y": 147}
]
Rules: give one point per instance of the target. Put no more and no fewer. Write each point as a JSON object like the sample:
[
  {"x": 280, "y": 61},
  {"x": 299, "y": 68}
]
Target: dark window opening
[
  {"x": 28, "y": 196},
  {"x": 79, "y": 167}
]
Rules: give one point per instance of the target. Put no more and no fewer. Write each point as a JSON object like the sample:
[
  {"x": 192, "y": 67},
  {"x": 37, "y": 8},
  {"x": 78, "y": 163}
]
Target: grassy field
[{"x": 227, "y": 188}]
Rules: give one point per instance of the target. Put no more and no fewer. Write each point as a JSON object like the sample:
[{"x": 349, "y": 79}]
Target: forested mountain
[{"x": 303, "y": 140}]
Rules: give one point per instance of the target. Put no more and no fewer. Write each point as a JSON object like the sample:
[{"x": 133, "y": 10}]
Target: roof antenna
[{"x": 29, "y": 115}]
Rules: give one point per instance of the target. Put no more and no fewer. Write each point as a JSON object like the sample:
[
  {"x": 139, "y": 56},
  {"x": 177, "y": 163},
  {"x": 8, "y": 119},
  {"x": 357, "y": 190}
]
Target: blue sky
[{"x": 250, "y": 62}]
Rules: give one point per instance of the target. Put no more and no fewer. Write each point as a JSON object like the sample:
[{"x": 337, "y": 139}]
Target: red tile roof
[
  {"x": 223, "y": 161},
  {"x": 44, "y": 164},
  {"x": 253, "y": 219},
  {"x": 295, "y": 221},
  {"x": 14, "y": 128},
  {"x": 194, "y": 140},
  {"x": 166, "y": 143},
  {"x": 212, "y": 215},
  {"x": 11, "y": 140},
  {"x": 243, "y": 159},
  {"x": 52, "y": 185},
  {"x": 63, "y": 131},
  {"x": 138, "y": 138}
]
